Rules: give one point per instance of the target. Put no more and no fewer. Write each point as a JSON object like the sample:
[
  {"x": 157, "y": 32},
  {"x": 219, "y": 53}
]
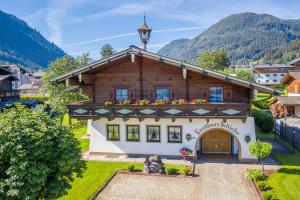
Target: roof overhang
[{"x": 153, "y": 56}]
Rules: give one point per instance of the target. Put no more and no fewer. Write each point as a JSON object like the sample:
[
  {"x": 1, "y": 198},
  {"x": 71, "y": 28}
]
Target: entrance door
[{"x": 216, "y": 142}]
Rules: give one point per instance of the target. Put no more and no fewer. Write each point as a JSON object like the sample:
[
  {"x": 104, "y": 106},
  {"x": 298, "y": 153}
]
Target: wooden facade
[
  {"x": 142, "y": 74},
  {"x": 6, "y": 84}
]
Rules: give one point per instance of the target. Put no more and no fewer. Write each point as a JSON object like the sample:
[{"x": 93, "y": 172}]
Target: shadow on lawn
[{"x": 289, "y": 171}]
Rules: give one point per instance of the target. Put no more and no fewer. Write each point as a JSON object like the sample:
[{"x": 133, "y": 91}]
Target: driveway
[{"x": 216, "y": 181}]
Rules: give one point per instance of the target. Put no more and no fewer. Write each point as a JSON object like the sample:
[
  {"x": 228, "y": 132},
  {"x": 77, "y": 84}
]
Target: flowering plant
[
  {"x": 142, "y": 102},
  {"x": 185, "y": 152},
  {"x": 198, "y": 101},
  {"x": 161, "y": 101},
  {"x": 124, "y": 102},
  {"x": 108, "y": 103},
  {"x": 179, "y": 101}
]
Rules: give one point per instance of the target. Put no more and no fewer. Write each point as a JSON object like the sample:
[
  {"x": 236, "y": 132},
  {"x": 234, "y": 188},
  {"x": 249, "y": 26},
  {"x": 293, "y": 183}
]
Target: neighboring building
[
  {"x": 6, "y": 84},
  {"x": 285, "y": 106},
  {"x": 19, "y": 72},
  {"x": 220, "y": 124},
  {"x": 295, "y": 62},
  {"x": 270, "y": 74},
  {"x": 33, "y": 87}
]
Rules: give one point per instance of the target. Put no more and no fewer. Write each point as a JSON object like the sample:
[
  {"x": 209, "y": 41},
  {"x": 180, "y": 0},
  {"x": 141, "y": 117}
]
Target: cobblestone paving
[
  {"x": 216, "y": 181},
  {"x": 142, "y": 187},
  {"x": 225, "y": 182}
]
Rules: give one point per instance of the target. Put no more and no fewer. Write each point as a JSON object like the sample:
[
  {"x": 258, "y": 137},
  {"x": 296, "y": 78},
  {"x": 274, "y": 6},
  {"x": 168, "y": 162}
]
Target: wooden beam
[
  {"x": 173, "y": 119},
  {"x": 141, "y": 119},
  {"x": 190, "y": 119},
  {"x": 157, "y": 119},
  {"x": 187, "y": 87},
  {"x": 141, "y": 78}
]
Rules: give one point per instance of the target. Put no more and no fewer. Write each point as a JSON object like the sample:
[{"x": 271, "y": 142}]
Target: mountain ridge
[
  {"x": 245, "y": 36},
  {"x": 21, "y": 44}
]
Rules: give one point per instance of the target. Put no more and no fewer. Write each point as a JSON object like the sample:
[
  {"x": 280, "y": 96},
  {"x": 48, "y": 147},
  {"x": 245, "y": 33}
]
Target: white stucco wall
[
  {"x": 293, "y": 94},
  {"x": 297, "y": 111},
  {"x": 99, "y": 143}
]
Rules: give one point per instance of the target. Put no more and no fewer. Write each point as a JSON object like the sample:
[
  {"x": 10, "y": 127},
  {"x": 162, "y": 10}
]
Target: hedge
[
  {"x": 39, "y": 98},
  {"x": 263, "y": 120}
]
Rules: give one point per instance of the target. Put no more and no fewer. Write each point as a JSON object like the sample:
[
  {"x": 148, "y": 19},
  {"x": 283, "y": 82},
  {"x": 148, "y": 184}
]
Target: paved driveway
[{"x": 216, "y": 181}]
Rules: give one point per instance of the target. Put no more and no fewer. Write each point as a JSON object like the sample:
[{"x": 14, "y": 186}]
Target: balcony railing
[
  {"x": 217, "y": 110},
  {"x": 9, "y": 94}
]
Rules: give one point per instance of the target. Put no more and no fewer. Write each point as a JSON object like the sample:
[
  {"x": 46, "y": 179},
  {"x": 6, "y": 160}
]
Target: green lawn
[
  {"x": 79, "y": 129},
  {"x": 97, "y": 174},
  {"x": 285, "y": 183}
]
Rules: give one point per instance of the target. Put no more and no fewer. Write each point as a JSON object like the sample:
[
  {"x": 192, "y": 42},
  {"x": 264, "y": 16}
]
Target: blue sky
[{"x": 79, "y": 26}]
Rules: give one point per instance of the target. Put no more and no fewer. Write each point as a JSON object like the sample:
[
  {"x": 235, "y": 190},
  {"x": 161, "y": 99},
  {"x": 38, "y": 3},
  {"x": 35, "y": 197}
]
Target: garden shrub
[
  {"x": 171, "y": 170},
  {"x": 186, "y": 171},
  {"x": 262, "y": 103},
  {"x": 267, "y": 196},
  {"x": 253, "y": 174},
  {"x": 263, "y": 120},
  {"x": 130, "y": 168},
  {"x": 38, "y": 98},
  {"x": 262, "y": 186}
]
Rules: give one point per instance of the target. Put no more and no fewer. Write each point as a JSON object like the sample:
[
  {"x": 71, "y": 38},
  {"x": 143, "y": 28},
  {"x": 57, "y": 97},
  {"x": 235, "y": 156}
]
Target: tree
[
  {"x": 58, "y": 96},
  {"x": 260, "y": 150},
  {"x": 106, "y": 51},
  {"x": 215, "y": 60},
  {"x": 39, "y": 157},
  {"x": 245, "y": 74}
]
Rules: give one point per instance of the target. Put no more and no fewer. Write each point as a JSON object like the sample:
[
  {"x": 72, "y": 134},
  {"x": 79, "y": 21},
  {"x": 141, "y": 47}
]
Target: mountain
[
  {"x": 20, "y": 44},
  {"x": 245, "y": 37}
]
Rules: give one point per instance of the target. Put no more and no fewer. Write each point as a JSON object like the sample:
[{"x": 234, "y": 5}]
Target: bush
[
  {"x": 171, "y": 171},
  {"x": 262, "y": 103},
  {"x": 38, "y": 98},
  {"x": 262, "y": 186},
  {"x": 263, "y": 120},
  {"x": 186, "y": 171},
  {"x": 267, "y": 196},
  {"x": 130, "y": 168},
  {"x": 253, "y": 174}
]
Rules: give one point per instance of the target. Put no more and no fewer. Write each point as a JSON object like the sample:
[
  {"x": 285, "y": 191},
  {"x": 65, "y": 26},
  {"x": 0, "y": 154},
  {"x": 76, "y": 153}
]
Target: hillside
[
  {"x": 245, "y": 36},
  {"x": 23, "y": 45}
]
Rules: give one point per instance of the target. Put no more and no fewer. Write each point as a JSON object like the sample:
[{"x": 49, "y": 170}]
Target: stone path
[{"x": 216, "y": 181}]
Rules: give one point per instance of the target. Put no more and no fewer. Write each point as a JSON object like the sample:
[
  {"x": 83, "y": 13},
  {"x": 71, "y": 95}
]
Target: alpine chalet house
[{"x": 142, "y": 103}]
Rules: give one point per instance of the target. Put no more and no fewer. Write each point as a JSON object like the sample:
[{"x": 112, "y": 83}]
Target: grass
[
  {"x": 284, "y": 183},
  {"x": 97, "y": 173},
  {"x": 79, "y": 129}
]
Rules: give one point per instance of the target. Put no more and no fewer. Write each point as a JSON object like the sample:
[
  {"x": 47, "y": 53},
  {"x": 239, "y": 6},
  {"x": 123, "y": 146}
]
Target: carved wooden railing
[{"x": 218, "y": 110}]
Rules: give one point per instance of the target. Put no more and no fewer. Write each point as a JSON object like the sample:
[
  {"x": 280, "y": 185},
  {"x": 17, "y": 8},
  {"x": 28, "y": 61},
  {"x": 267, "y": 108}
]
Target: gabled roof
[
  {"x": 291, "y": 100},
  {"x": 153, "y": 56},
  {"x": 291, "y": 75},
  {"x": 268, "y": 66},
  {"x": 296, "y": 60},
  {"x": 12, "y": 77}
]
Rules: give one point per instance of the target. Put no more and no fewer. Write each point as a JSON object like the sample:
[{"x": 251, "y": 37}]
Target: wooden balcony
[{"x": 207, "y": 110}]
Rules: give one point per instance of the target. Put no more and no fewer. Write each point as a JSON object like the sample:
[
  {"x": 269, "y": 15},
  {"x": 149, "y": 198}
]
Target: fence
[{"x": 288, "y": 132}]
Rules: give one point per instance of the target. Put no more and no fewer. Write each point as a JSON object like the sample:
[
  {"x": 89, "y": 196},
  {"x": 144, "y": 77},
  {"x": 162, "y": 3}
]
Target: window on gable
[
  {"x": 216, "y": 94},
  {"x": 162, "y": 93},
  {"x": 121, "y": 94}
]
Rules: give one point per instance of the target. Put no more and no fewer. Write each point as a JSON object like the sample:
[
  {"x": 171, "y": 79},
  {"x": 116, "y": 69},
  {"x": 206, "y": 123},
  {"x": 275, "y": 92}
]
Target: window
[
  {"x": 153, "y": 133},
  {"x": 113, "y": 132},
  {"x": 274, "y": 74},
  {"x": 133, "y": 133},
  {"x": 216, "y": 94},
  {"x": 121, "y": 94},
  {"x": 162, "y": 93},
  {"x": 267, "y": 75},
  {"x": 281, "y": 74},
  {"x": 174, "y": 134},
  {"x": 274, "y": 80},
  {"x": 267, "y": 81}
]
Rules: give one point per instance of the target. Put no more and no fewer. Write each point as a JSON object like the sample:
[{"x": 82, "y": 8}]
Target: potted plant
[
  {"x": 108, "y": 103},
  {"x": 161, "y": 101},
  {"x": 124, "y": 102},
  {"x": 179, "y": 101},
  {"x": 142, "y": 102}
]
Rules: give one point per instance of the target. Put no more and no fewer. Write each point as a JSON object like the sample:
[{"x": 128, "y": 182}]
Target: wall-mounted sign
[
  {"x": 188, "y": 137},
  {"x": 223, "y": 125}
]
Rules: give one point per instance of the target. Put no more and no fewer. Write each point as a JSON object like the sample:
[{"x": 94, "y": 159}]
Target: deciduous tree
[
  {"x": 39, "y": 157},
  {"x": 215, "y": 60},
  {"x": 260, "y": 150}
]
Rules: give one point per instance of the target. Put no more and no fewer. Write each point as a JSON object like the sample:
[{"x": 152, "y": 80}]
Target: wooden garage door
[{"x": 216, "y": 142}]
